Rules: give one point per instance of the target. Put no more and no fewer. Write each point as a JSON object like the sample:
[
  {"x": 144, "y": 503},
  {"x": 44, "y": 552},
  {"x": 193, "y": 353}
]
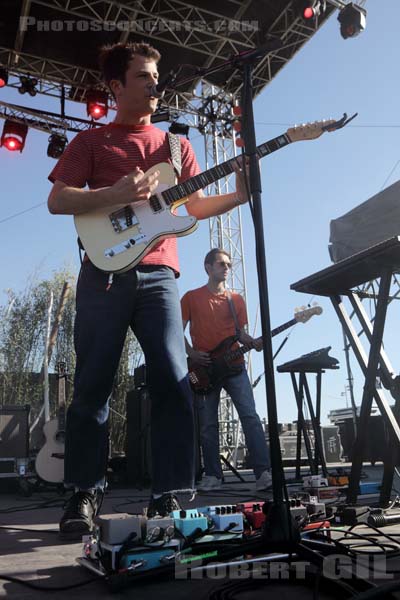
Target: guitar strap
[
  {"x": 175, "y": 148},
  {"x": 233, "y": 311}
]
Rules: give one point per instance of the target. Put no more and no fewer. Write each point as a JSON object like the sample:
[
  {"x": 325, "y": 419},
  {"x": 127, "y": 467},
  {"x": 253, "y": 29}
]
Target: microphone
[{"x": 158, "y": 90}]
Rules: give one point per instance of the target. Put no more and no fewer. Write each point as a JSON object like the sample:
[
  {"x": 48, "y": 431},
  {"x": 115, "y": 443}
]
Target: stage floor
[{"x": 30, "y": 549}]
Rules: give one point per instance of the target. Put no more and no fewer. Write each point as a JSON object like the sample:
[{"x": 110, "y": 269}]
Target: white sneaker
[
  {"x": 209, "y": 483},
  {"x": 264, "y": 482}
]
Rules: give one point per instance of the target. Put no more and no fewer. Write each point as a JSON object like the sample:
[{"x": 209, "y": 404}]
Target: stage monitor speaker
[{"x": 14, "y": 431}]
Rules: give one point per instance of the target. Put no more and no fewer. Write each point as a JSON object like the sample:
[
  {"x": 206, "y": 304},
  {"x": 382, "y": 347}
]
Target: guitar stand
[{"x": 336, "y": 282}]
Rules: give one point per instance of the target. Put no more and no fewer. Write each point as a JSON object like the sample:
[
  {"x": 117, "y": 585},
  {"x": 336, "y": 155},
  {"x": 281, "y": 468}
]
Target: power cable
[{"x": 21, "y": 212}]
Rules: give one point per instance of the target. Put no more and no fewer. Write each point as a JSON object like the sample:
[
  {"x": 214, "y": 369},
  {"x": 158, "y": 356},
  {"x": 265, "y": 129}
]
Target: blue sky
[{"x": 305, "y": 185}]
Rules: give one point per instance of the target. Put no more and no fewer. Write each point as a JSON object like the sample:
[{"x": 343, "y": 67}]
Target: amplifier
[
  {"x": 288, "y": 445},
  {"x": 14, "y": 431},
  {"x": 139, "y": 376},
  {"x": 332, "y": 444}
]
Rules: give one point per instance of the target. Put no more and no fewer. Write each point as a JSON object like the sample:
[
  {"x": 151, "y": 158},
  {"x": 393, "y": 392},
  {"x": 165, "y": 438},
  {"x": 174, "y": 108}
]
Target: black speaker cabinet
[
  {"x": 331, "y": 444},
  {"x": 138, "y": 444},
  {"x": 14, "y": 431}
]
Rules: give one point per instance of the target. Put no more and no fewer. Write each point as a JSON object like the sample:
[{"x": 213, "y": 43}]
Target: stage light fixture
[
  {"x": 96, "y": 104},
  {"x": 28, "y": 85},
  {"x": 352, "y": 19},
  {"x": 13, "y": 136},
  {"x": 310, "y": 9},
  {"x": 3, "y": 77},
  {"x": 57, "y": 143},
  {"x": 179, "y": 128}
]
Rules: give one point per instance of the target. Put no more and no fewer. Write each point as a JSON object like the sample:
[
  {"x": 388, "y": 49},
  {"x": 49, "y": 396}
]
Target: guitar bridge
[{"x": 123, "y": 219}]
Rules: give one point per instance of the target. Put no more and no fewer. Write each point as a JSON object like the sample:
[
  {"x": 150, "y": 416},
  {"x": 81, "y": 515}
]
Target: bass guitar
[
  {"x": 49, "y": 462},
  {"x": 224, "y": 358},
  {"x": 115, "y": 241}
]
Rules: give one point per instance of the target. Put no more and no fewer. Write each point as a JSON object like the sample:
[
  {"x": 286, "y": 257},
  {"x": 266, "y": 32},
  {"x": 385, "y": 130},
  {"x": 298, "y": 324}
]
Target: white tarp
[{"x": 373, "y": 221}]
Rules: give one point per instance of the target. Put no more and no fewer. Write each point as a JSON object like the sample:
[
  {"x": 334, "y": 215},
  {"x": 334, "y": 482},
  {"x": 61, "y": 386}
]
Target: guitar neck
[
  {"x": 61, "y": 402},
  {"x": 204, "y": 179},
  {"x": 238, "y": 352}
]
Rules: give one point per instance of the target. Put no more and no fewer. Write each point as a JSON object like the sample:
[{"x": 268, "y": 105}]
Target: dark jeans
[
  {"x": 145, "y": 299},
  {"x": 239, "y": 389}
]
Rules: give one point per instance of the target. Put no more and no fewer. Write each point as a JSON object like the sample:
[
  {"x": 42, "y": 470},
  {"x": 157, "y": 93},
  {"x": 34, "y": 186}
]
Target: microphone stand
[
  {"x": 281, "y": 533},
  {"x": 280, "y": 527}
]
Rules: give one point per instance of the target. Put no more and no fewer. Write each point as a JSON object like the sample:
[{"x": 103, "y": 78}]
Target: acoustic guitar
[{"x": 49, "y": 462}]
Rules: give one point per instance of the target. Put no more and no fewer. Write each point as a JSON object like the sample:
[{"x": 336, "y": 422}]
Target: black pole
[{"x": 280, "y": 527}]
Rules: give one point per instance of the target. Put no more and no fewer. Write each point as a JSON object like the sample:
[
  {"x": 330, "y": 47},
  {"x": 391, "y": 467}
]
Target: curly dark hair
[{"x": 114, "y": 59}]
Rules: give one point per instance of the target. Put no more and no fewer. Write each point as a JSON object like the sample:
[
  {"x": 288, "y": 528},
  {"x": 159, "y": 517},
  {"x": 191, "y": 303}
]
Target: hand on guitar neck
[{"x": 208, "y": 369}]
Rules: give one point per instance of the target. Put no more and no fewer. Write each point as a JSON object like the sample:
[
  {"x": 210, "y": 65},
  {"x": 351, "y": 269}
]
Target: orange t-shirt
[{"x": 210, "y": 317}]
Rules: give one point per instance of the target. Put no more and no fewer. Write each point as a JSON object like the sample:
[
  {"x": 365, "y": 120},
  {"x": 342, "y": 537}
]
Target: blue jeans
[
  {"x": 239, "y": 389},
  {"x": 145, "y": 299}
]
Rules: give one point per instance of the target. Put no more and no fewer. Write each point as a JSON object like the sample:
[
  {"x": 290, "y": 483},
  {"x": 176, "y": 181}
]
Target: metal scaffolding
[
  {"x": 225, "y": 231},
  {"x": 194, "y": 37}
]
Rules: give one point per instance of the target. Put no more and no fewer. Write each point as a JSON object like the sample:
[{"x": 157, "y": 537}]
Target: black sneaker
[
  {"x": 77, "y": 519},
  {"x": 163, "y": 506}
]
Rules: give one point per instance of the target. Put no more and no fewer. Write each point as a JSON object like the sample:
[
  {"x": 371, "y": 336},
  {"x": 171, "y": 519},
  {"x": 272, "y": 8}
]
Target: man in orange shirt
[{"x": 215, "y": 314}]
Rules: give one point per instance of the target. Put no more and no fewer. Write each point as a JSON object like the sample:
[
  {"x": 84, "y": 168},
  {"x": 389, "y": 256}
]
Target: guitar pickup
[
  {"x": 123, "y": 219},
  {"x": 124, "y": 246},
  {"x": 155, "y": 204}
]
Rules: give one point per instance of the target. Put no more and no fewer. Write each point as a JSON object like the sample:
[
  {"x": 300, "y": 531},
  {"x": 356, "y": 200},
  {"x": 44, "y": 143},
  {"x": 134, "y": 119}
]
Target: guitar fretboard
[
  {"x": 198, "y": 182},
  {"x": 238, "y": 352}
]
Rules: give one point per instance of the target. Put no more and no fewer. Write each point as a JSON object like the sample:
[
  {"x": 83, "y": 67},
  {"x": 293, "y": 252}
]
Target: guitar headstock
[
  {"x": 309, "y": 131},
  {"x": 303, "y": 314}
]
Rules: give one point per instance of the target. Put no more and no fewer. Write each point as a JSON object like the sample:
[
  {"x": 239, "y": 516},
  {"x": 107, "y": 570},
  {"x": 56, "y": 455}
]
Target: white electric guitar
[
  {"x": 49, "y": 464},
  {"x": 116, "y": 241}
]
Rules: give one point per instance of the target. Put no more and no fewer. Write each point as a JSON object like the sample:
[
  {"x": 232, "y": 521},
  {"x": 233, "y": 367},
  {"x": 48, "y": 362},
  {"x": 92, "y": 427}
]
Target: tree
[{"x": 23, "y": 327}]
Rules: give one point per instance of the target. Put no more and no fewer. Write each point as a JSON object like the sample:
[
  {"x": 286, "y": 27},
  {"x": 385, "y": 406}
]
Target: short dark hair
[
  {"x": 114, "y": 59},
  {"x": 209, "y": 258}
]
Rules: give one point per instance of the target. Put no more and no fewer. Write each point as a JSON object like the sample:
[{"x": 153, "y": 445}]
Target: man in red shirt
[
  {"x": 214, "y": 315},
  {"x": 111, "y": 162}
]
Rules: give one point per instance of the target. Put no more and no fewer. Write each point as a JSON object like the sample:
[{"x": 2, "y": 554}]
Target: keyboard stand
[
  {"x": 303, "y": 365},
  {"x": 337, "y": 281}
]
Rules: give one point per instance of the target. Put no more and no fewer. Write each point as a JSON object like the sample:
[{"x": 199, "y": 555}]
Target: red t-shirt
[
  {"x": 100, "y": 156},
  {"x": 210, "y": 316}
]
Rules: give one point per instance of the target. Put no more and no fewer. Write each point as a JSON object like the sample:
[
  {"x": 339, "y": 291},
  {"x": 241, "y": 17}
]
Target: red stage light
[
  {"x": 309, "y": 10},
  {"x": 13, "y": 136},
  {"x": 13, "y": 144},
  {"x": 96, "y": 111},
  {"x": 96, "y": 104},
  {"x": 3, "y": 77}
]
